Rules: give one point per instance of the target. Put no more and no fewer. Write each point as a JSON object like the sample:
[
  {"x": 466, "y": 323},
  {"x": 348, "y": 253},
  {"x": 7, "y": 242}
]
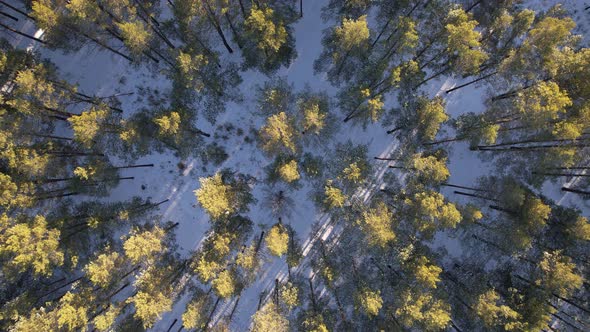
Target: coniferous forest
[{"x": 294, "y": 165}]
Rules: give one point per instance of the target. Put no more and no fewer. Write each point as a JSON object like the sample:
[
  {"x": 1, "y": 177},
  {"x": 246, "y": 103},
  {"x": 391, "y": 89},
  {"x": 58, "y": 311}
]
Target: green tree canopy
[{"x": 31, "y": 245}]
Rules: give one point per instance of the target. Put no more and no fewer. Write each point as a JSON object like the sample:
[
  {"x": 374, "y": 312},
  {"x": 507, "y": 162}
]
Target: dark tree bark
[
  {"x": 472, "y": 82},
  {"x": 301, "y": 8},
  {"x": 476, "y": 196},
  {"x": 463, "y": 187},
  {"x": 576, "y": 191},
  {"x": 217, "y": 26},
  {"x": 561, "y": 174},
  {"x": 9, "y": 16},
  {"x": 234, "y": 31},
  {"x": 22, "y": 34}
]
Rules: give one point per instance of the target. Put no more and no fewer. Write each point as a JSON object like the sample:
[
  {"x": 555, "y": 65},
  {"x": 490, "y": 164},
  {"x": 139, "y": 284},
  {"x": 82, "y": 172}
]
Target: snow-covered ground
[{"x": 102, "y": 73}]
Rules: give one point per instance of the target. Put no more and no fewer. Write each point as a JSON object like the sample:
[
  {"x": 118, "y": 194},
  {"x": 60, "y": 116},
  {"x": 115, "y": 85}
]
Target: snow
[{"x": 103, "y": 73}]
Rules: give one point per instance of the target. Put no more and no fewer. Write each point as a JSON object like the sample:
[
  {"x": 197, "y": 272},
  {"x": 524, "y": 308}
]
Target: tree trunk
[
  {"x": 501, "y": 209},
  {"x": 259, "y": 243},
  {"x": 342, "y": 63},
  {"x": 445, "y": 68},
  {"x": 67, "y": 115},
  {"x": 391, "y": 131},
  {"x": 381, "y": 33},
  {"x": 397, "y": 167},
  {"x": 9, "y": 16},
  {"x": 428, "y": 45},
  {"x": 463, "y": 187},
  {"x": 172, "y": 325},
  {"x": 118, "y": 290},
  {"x": 235, "y": 307},
  {"x": 537, "y": 147},
  {"x": 472, "y": 82},
  {"x": 490, "y": 243},
  {"x": 99, "y": 43},
  {"x": 217, "y": 26},
  {"x": 455, "y": 326},
  {"x": 476, "y": 196},
  {"x": 49, "y": 136},
  {"x": 17, "y": 10},
  {"x": 531, "y": 141},
  {"x": 72, "y": 153},
  {"x": 132, "y": 166},
  {"x": 472, "y": 6},
  {"x": 313, "y": 302},
  {"x": 22, "y": 34},
  {"x": 387, "y": 159},
  {"x": 561, "y": 174},
  {"x": 276, "y": 292},
  {"x": 242, "y": 8},
  {"x": 340, "y": 308},
  {"x": 153, "y": 25},
  {"x": 556, "y": 295},
  {"x": 576, "y": 191},
  {"x": 211, "y": 314},
  {"x": 234, "y": 31},
  {"x": 122, "y": 40},
  {"x": 391, "y": 50},
  {"x": 300, "y": 8},
  {"x": 568, "y": 168},
  {"x": 58, "y": 288},
  {"x": 171, "y": 227},
  {"x": 387, "y": 55},
  {"x": 456, "y": 139},
  {"x": 436, "y": 56},
  {"x": 57, "y": 196}
]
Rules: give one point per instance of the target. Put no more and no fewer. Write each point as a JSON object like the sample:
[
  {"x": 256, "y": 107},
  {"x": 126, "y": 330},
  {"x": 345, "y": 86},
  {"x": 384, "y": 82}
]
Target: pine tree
[
  {"x": 38, "y": 320},
  {"x": 277, "y": 240},
  {"x": 345, "y": 45},
  {"x": 313, "y": 119},
  {"x": 289, "y": 295},
  {"x": 424, "y": 311},
  {"x": 207, "y": 270},
  {"x": 289, "y": 171},
  {"x": 224, "y": 284},
  {"x": 494, "y": 314},
  {"x": 195, "y": 315},
  {"x": 168, "y": 125},
  {"x": 557, "y": 275},
  {"x": 315, "y": 324},
  {"x": 106, "y": 320},
  {"x": 429, "y": 169},
  {"x": 426, "y": 274},
  {"x": 432, "y": 212},
  {"x": 150, "y": 306},
  {"x": 260, "y": 26},
  {"x": 334, "y": 198},
  {"x": 377, "y": 224},
  {"x": 144, "y": 246},
  {"x": 278, "y": 135},
  {"x": 13, "y": 194},
  {"x": 463, "y": 43},
  {"x": 542, "y": 103},
  {"x": 430, "y": 114},
  {"x": 31, "y": 246},
  {"x": 102, "y": 271},
  {"x": 135, "y": 35},
  {"x": 92, "y": 124},
  {"x": 72, "y": 313},
  {"x": 269, "y": 319},
  {"x": 223, "y": 197},
  {"x": 369, "y": 301},
  {"x": 581, "y": 229}
]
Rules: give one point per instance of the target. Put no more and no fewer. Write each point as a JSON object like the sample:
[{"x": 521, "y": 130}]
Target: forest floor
[{"x": 103, "y": 74}]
